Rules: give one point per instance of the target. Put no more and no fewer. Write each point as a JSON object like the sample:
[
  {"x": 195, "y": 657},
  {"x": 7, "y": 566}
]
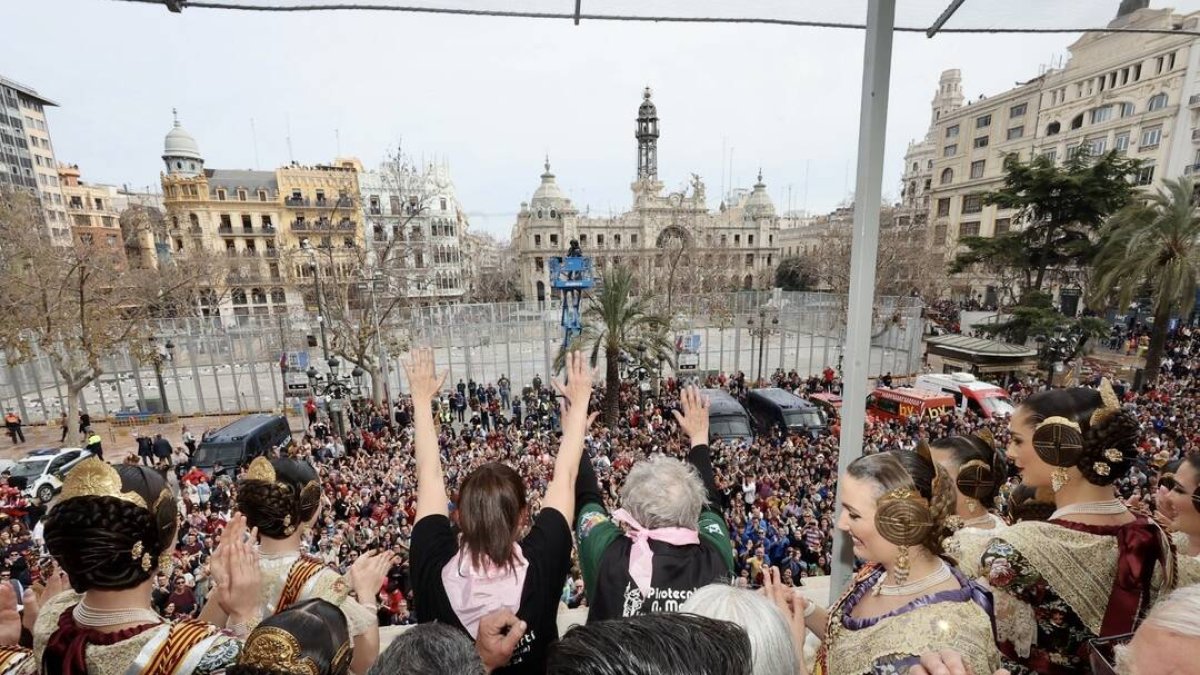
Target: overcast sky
[{"x": 491, "y": 96}]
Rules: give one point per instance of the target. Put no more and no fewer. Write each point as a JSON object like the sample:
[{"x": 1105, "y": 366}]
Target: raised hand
[
  {"x": 239, "y": 590},
  {"x": 424, "y": 382},
  {"x": 368, "y": 573},
  {"x": 499, "y": 634},
  {"x": 693, "y": 418},
  {"x": 577, "y": 389},
  {"x": 10, "y": 618},
  {"x": 792, "y": 605}
]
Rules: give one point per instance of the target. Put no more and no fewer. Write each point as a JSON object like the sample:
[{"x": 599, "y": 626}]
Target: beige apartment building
[
  {"x": 95, "y": 220},
  {"x": 257, "y": 221},
  {"x": 1136, "y": 94}
]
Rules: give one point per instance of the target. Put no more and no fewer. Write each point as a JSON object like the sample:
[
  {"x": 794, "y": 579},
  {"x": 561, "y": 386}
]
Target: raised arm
[
  {"x": 424, "y": 383},
  {"x": 693, "y": 420},
  {"x": 560, "y": 494}
]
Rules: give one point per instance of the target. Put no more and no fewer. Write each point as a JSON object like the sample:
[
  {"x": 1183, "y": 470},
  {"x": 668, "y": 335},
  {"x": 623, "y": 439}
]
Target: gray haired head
[
  {"x": 663, "y": 492},
  {"x": 429, "y": 649},
  {"x": 771, "y": 644}
]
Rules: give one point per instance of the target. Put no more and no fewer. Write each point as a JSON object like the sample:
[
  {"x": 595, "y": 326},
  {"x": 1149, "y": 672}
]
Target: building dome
[
  {"x": 549, "y": 195},
  {"x": 179, "y": 143},
  {"x": 759, "y": 203}
]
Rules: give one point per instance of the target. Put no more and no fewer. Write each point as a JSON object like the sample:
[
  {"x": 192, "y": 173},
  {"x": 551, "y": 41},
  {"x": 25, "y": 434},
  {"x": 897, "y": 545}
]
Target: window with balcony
[
  {"x": 554, "y": 240},
  {"x": 537, "y": 240},
  {"x": 321, "y": 201},
  {"x": 600, "y": 240},
  {"x": 348, "y": 242},
  {"x": 247, "y": 223}
]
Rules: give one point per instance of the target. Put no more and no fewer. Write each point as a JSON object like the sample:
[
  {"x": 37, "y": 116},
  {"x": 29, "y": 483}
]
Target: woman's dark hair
[
  {"x": 1117, "y": 430},
  {"x": 109, "y": 542},
  {"x": 277, "y": 508},
  {"x": 653, "y": 644},
  {"x": 987, "y": 480},
  {"x": 1026, "y": 502},
  {"x": 907, "y": 469},
  {"x": 313, "y": 631},
  {"x": 491, "y": 503}
]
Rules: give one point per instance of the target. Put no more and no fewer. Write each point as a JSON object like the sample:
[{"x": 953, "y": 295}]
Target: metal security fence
[{"x": 217, "y": 368}]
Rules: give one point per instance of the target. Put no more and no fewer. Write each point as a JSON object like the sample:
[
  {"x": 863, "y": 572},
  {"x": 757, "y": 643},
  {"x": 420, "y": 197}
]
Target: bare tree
[{"x": 77, "y": 305}]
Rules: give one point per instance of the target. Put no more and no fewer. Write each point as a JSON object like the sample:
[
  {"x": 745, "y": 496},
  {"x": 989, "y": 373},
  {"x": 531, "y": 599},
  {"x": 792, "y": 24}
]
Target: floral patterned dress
[{"x": 1055, "y": 588}]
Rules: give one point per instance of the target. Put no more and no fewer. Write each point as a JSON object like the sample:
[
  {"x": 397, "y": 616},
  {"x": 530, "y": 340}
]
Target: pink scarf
[
  {"x": 641, "y": 557},
  {"x": 475, "y": 592}
]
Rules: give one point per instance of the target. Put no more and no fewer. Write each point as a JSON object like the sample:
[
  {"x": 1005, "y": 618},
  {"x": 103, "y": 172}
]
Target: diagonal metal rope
[{"x": 571, "y": 16}]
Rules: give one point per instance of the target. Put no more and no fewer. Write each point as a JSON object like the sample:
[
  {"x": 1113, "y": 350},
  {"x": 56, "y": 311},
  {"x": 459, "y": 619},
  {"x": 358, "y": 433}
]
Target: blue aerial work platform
[{"x": 571, "y": 276}]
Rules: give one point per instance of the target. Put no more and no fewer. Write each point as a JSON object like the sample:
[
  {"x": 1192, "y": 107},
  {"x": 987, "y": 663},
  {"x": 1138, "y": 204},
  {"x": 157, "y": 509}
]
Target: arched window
[
  {"x": 1157, "y": 102},
  {"x": 947, "y": 176},
  {"x": 915, "y": 165},
  {"x": 539, "y": 213},
  {"x": 1053, "y": 128},
  {"x": 258, "y": 296},
  {"x": 553, "y": 213},
  {"x": 239, "y": 296},
  {"x": 175, "y": 222}
]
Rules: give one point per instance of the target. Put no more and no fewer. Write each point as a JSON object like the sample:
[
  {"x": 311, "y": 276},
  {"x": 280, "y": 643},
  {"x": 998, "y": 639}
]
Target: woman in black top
[{"x": 459, "y": 576}]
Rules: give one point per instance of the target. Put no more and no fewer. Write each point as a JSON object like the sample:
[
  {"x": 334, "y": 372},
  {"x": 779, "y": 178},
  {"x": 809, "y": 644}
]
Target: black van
[
  {"x": 774, "y": 408},
  {"x": 243, "y": 440},
  {"x": 727, "y": 419}
]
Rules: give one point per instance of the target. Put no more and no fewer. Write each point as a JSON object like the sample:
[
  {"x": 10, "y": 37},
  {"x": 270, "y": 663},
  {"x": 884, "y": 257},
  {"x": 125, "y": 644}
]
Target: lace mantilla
[
  {"x": 966, "y": 546},
  {"x": 961, "y": 626}
]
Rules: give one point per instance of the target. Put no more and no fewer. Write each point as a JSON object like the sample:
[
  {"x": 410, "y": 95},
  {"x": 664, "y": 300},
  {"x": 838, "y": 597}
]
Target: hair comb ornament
[
  {"x": 261, "y": 469},
  {"x": 93, "y": 477},
  {"x": 1059, "y": 443},
  {"x": 1109, "y": 403},
  {"x": 276, "y": 651}
]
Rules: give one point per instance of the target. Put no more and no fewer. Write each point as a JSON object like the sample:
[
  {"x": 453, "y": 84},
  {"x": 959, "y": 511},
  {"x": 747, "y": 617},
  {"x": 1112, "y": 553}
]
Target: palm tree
[
  {"x": 616, "y": 323},
  {"x": 1153, "y": 243}
]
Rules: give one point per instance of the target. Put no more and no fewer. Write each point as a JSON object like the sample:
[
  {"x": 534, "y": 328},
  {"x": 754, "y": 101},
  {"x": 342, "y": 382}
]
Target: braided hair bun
[
  {"x": 917, "y": 497},
  {"x": 279, "y": 495},
  {"x": 110, "y": 526},
  {"x": 1087, "y": 428},
  {"x": 982, "y": 468}
]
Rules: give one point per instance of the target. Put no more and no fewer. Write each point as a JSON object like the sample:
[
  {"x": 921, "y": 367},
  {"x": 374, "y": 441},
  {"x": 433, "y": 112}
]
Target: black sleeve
[
  {"x": 587, "y": 486},
  {"x": 700, "y": 458},
  {"x": 433, "y": 544}
]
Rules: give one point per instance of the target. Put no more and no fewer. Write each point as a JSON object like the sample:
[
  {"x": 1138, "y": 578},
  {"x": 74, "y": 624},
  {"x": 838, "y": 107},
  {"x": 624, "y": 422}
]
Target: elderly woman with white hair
[{"x": 674, "y": 538}]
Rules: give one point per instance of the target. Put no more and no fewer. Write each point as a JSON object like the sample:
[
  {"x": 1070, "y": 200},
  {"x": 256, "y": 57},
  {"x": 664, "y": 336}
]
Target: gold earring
[
  {"x": 900, "y": 572},
  {"x": 1059, "y": 478},
  {"x": 147, "y": 562}
]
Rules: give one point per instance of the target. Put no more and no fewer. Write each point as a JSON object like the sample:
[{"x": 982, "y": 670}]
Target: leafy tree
[
  {"x": 795, "y": 274},
  {"x": 1034, "y": 315},
  {"x": 1060, "y": 208},
  {"x": 617, "y": 322},
  {"x": 1153, "y": 243}
]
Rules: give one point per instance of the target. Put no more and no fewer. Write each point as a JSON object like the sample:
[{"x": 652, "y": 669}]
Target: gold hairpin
[
  {"x": 1058, "y": 420},
  {"x": 93, "y": 477},
  {"x": 276, "y": 651},
  {"x": 1109, "y": 403},
  {"x": 261, "y": 469}
]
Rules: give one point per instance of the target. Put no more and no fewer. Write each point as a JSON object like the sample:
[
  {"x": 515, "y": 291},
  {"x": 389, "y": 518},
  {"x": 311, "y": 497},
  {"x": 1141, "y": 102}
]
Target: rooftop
[{"x": 28, "y": 91}]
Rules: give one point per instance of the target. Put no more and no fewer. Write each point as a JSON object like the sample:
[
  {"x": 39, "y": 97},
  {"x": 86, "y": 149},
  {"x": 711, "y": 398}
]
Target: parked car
[
  {"x": 42, "y": 471},
  {"x": 727, "y": 419},
  {"x": 773, "y": 408},
  {"x": 242, "y": 440}
]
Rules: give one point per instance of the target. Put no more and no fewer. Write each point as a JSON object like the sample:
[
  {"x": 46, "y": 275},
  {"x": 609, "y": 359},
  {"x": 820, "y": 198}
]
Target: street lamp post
[
  {"x": 336, "y": 388},
  {"x": 156, "y": 359},
  {"x": 762, "y": 338}
]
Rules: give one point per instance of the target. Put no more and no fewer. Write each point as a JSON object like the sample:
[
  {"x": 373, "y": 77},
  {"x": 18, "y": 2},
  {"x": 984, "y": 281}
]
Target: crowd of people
[{"x": 478, "y": 511}]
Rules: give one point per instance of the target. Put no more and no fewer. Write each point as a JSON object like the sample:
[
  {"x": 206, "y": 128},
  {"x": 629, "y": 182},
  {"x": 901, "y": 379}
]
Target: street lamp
[
  {"x": 156, "y": 359},
  {"x": 762, "y": 337}
]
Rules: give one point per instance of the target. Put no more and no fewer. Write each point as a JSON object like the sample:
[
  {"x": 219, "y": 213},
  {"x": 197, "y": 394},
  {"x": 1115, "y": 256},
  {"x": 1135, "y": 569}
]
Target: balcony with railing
[{"x": 296, "y": 202}]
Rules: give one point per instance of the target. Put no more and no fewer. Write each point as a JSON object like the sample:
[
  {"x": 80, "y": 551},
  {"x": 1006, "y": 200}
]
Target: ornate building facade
[
  {"x": 666, "y": 239},
  {"x": 1137, "y": 94},
  {"x": 269, "y": 227}
]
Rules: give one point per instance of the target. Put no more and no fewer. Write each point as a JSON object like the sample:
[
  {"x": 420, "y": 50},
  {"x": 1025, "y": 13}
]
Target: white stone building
[
  {"x": 413, "y": 217},
  {"x": 733, "y": 247},
  {"x": 1137, "y": 94}
]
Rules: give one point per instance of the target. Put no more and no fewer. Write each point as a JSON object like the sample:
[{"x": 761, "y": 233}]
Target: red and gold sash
[
  {"x": 303, "y": 570},
  {"x": 181, "y": 639}
]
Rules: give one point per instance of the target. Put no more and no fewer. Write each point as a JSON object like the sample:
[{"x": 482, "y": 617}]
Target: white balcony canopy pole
[{"x": 868, "y": 186}]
